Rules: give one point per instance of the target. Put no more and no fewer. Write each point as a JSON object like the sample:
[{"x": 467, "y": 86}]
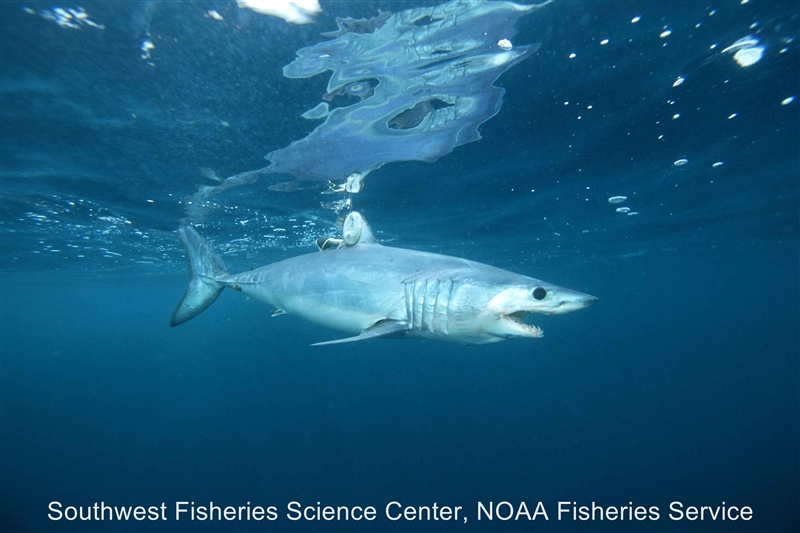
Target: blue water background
[{"x": 682, "y": 383}]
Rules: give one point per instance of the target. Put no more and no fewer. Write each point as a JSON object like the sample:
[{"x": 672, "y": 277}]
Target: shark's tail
[{"x": 205, "y": 268}]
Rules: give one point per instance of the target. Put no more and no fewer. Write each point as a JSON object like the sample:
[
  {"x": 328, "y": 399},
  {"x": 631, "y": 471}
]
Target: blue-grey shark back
[{"x": 369, "y": 290}]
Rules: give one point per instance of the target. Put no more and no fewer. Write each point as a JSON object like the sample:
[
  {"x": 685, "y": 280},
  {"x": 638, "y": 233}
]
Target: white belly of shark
[{"x": 370, "y": 291}]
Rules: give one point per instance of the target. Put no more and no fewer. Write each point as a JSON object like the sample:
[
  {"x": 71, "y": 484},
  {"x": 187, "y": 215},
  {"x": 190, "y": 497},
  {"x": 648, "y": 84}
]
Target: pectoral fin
[{"x": 383, "y": 328}]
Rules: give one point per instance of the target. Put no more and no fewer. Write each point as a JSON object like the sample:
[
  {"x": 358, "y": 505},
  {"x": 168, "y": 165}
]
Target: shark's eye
[{"x": 539, "y": 293}]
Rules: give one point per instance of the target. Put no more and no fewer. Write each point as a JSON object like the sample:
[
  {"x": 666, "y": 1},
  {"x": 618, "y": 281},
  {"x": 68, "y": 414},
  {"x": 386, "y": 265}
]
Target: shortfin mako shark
[{"x": 373, "y": 291}]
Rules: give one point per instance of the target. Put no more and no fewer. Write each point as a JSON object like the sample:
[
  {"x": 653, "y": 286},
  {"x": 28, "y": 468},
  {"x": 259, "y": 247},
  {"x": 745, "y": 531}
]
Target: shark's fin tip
[{"x": 383, "y": 328}]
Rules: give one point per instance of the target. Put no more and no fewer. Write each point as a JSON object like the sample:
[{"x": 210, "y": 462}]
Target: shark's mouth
[{"x": 531, "y": 329}]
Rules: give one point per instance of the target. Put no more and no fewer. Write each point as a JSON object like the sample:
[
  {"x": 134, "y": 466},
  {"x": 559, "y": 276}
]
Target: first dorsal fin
[
  {"x": 367, "y": 237},
  {"x": 383, "y": 328},
  {"x": 356, "y": 230}
]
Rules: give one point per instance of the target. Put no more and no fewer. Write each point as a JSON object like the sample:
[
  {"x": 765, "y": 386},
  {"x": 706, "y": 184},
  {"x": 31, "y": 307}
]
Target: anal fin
[{"x": 383, "y": 328}]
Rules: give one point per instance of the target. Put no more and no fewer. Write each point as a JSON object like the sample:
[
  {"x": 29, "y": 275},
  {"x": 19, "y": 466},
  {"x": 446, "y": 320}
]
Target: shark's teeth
[{"x": 534, "y": 330}]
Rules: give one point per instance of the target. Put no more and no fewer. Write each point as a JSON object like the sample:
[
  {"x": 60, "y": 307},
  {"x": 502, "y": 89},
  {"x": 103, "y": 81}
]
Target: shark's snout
[{"x": 567, "y": 301}]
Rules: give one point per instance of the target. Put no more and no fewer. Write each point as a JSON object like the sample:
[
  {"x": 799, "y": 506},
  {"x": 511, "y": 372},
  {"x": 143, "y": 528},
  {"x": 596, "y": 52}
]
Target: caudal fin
[{"x": 205, "y": 268}]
